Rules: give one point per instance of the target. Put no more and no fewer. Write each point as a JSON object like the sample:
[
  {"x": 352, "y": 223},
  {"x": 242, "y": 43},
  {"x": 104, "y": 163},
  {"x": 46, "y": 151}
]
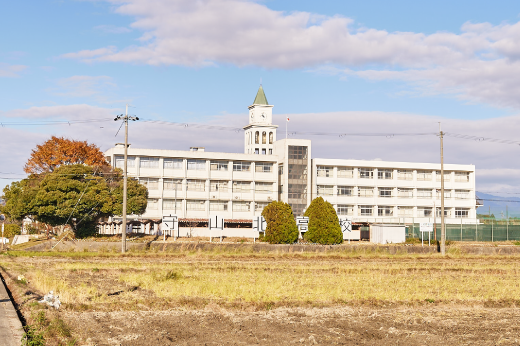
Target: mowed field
[{"x": 212, "y": 298}]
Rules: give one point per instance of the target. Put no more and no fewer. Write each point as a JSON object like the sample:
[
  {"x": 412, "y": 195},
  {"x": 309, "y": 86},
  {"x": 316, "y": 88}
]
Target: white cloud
[
  {"x": 478, "y": 64},
  {"x": 83, "y": 86},
  {"x": 7, "y": 70}
]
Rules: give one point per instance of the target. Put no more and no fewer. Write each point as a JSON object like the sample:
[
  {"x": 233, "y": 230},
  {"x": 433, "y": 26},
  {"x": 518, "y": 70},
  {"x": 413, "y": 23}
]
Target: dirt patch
[{"x": 301, "y": 326}]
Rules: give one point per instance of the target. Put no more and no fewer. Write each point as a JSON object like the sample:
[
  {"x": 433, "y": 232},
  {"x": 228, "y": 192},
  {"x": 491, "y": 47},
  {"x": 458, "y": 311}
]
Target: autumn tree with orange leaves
[{"x": 58, "y": 151}]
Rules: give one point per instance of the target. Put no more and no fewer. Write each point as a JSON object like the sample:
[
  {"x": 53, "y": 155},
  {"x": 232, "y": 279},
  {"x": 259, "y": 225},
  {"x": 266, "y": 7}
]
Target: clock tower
[{"x": 260, "y": 134}]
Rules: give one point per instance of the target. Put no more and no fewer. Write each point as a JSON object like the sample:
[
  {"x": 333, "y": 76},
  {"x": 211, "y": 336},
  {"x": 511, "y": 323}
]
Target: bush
[
  {"x": 85, "y": 230},
  {"x": 10, "y": 230},
  {"x": 281, "y": 227},
  {"x": 324, "y": 227}
]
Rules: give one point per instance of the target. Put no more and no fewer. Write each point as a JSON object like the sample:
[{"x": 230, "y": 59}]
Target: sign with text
[
  {"x": 171, "y": 222},
  {"x": 216, "y": 223},
  {"x": 346, "y": 225},
  {"x": 426, "y": 227}
]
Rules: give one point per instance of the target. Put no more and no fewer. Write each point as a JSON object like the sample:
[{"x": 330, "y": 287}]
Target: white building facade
[{"x": 197, "y": 184}]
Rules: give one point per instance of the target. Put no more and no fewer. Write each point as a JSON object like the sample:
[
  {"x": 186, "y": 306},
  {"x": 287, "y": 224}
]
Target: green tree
[
  {"x": 76, "y": 195},
  {"x": 324, "y": 227},
  {"x": 281, "y": 227}
]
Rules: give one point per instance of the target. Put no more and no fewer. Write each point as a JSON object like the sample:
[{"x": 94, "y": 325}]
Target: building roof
[{"x": 260, "y": 98}]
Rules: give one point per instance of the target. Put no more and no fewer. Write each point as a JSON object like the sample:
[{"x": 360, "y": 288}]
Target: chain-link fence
[{"x": 491, "y": 230}]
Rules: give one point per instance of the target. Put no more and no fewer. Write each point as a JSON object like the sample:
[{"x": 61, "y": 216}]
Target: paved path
[{"x": 10, "y": 326}]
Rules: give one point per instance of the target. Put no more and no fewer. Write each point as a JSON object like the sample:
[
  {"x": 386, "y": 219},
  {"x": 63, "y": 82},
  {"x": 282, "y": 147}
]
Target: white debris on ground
[
  {"x": 21, "y": 278},
  {"x": 51, "y": 300}
]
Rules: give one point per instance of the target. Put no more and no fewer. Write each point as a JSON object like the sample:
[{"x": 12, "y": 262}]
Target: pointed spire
[{"x": 260, "y": 98}]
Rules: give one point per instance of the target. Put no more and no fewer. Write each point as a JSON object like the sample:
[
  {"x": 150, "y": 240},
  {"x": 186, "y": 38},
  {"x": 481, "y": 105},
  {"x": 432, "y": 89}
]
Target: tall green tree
[
  {"x": 76, "y": 195},
  {"x": 324, "y": 227},
  {"x": 281, "y": 227}
]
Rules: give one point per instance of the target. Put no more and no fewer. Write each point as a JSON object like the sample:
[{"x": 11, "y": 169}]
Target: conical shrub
[
  {"x": 281, "y": 227},
  {"x": 324, "y": 227}
]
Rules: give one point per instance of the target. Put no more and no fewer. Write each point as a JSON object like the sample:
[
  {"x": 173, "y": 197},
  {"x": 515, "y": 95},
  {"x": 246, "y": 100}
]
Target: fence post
[
  {"x": 461, "y": 229},
  {"x": 476, "y": 231},
  {"x": 491, "y": 230},
  {"x": 507, "y": 229}
]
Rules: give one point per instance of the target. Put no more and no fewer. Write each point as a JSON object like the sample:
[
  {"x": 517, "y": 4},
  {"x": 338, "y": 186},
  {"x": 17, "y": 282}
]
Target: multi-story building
[{"x": 195, "y": 184}]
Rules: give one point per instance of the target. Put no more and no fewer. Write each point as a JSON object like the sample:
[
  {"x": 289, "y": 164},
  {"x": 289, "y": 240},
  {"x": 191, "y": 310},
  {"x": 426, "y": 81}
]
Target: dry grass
[{"x": 85, "y": 281}]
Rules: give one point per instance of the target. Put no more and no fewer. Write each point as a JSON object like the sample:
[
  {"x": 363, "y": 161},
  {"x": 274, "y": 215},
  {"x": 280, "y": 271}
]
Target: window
[
  {"x": 405, "y": 211},
  {"x": 241, "y": 186},
  {"x": 257, "y": 151},
  {"x": 196, "y": 165},
  {"x": 365, "y": 210},
  {"x": 325, "y": 190},
  {"x": 241, "y": 206},
  {"x": 150, "y": 183},
  {"x": 405, "y": 193},
  {"x": 120, "y": 161},
  {"x": 153, "y": 204},
  {"x": 424, "y": 193},
  {"x": 325, "y": 171},
  {"x": 218, "y": 205},
  {"x": 270, "y": 151},
  {"x": 297, "y": 152},
  {"x": 344, "y": 209},
  {"x": 241, "y": 166},
  {"x": 385, "y": 211},
  {"x": 366, "y": 173},
  {"x": 446, "y": 212},
  {"x": 264, "y": 167},
  {"x": 447, "y": 176},
  {"x": 263, "y": 151},
  {"x": 218, "y": 185},
  {"x": 270, "y": 139},
  {"x": 345, "y": 172},
  {"x": 264, "y": 138},
  {"x": 169, "y": 204},
  {"x": 280, "y": 169},
  {"x": 195, "y": 205},
  {"x": 263, "y": 187},
  {"x": 257, "y": 137},
  {"x": 462, "y": 177},
  {"x": 424, "y": 212},
  {"x": 447, "y": 193},
  {"x": 149, "y": 162},
  {"x": 405, "y": 175},
  {"x": 385, "y": 192},
  {"x": 171, "y": 184},
  {"x": 384, "y": 174},
  {"x": 365, "y": 192},
  {"x": 218, "y": 165},
  {"x": 196, "y": 185},
  {"x": 345, "y": 190},
  {"x": 461, "y": 212},
  {"x": 173, "y": 163},
  {"x": 424, "y": 175},
  {"x": 462, "y": 194},
  {"x": 259, "y": 206}
]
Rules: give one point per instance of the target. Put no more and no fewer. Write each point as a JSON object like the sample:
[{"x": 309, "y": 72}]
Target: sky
[{"x": 391, "y": 68}]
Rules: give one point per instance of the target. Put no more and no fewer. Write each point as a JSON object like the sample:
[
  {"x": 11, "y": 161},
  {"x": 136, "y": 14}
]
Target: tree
[
  {"x": 76, "y": 195},
  {"x": 324, "y": 227},
  {"x": 281, "y": 227},
  {"x": 58, "y": 151}
]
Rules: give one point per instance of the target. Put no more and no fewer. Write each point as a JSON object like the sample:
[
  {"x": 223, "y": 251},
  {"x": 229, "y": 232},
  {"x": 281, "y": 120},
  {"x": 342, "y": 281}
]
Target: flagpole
[{"x": 286, "y": 121}]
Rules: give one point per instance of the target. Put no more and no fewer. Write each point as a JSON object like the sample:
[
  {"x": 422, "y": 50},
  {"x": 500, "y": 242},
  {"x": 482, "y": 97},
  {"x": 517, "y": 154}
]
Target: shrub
[
  {"x": 324, "y": 227},
  {"x": 11, "y": 230},
  {"x": 281, "y": 227}
]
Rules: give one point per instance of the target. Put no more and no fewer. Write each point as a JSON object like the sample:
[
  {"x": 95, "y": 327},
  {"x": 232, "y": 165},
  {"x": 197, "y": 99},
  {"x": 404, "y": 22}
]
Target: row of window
[
  {"x": 369, "y": 210},
  {"x": 328, "y": 190},
  {"x": 194, "y": 164},
  {"x": 368, "y": 173},
  {"x": 214, "y": 185},
  {"x": 200, "y": 205},
  {"x": 264, "y": 138}
]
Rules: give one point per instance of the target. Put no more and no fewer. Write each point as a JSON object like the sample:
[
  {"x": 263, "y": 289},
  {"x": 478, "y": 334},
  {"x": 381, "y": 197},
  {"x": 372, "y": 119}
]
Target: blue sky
[{"x": 402, "y": 65}]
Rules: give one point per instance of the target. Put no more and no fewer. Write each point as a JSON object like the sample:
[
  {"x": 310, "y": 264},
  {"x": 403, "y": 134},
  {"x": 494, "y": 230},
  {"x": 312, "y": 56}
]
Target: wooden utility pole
[{"x": 443, "y": 226}]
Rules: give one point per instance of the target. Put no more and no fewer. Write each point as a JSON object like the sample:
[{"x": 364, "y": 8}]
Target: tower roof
[{"x": 260, "y": 98}]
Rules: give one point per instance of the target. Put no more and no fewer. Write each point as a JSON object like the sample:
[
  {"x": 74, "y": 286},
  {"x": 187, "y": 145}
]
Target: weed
[
  {"x": 517, "y": 243},
  {"x": 95, "y": 270},
  {"x": 429, "y": 300},
  {"x": 413, "y": 241},
  {"x": 58, "y": 327},
  {"x": 31, "y": 337}
]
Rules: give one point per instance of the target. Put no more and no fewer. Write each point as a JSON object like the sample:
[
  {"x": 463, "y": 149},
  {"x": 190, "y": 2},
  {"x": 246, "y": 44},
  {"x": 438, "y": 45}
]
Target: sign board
[
  {"x": 4, "y": 240},
  {"x": 259, "y": 225},
  {"x": 303, "y": 224},
  {"x": 346, "y": 225},
  {"x": 171, "y": 222},
  {"x": 216, "y": 223},
  {"x": 426, "y": 227}
]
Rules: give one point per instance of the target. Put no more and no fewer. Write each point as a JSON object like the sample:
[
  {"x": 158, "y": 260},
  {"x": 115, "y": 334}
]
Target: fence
[{"x": 494, "y": 230}]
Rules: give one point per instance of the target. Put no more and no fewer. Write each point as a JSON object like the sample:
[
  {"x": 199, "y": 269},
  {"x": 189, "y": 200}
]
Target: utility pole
[
  {"x": 2, "y": 218},
  {"x": 125, "y": 175},
  {"x": 443, "y": 226}
]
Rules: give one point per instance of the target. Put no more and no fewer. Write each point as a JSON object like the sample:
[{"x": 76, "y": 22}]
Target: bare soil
[{"x": 439, "y": 325}]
